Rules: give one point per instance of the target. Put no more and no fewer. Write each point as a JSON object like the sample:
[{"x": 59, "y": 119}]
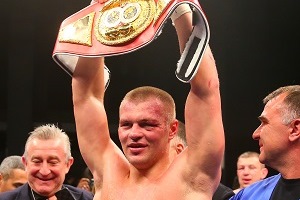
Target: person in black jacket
[
  {"x": 25, "y": 192},
  {"x": 223, "y": 193},
  {"x": 47, "y": 159}
]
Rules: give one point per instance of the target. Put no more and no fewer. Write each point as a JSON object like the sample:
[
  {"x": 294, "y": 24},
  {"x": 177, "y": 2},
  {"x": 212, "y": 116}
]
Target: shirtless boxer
[{"x": 147, "y": 123}]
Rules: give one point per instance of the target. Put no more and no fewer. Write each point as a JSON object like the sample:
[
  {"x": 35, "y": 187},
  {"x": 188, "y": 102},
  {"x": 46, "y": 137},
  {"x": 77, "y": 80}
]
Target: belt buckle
[{"x": 121, "y": 21}]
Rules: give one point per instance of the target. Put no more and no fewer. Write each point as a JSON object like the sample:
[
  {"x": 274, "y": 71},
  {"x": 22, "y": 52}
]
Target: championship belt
[{"x": 122, "y": 26}]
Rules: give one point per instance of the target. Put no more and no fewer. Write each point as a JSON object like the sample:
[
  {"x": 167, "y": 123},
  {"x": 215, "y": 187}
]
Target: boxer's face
[{"x": 143, "y": 132}]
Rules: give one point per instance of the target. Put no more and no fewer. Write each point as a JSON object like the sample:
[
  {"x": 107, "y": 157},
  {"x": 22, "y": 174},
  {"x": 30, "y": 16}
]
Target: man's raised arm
[
  {"x": 90, "y": 116},
  {"x": 203, "y": 117}
]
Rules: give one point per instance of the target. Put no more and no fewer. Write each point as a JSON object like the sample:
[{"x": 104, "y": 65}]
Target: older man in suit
[{"x": 47, "y": 159}]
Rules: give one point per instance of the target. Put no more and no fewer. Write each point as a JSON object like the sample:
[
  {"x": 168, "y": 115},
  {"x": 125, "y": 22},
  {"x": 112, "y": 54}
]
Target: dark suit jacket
[
  {"x": 223, "y": 193},
  {"x": 23, "y": 193}
]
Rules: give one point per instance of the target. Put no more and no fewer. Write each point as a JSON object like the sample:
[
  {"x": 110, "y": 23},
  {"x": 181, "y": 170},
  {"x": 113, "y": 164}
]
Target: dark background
[{"x": 255, "y": 44}]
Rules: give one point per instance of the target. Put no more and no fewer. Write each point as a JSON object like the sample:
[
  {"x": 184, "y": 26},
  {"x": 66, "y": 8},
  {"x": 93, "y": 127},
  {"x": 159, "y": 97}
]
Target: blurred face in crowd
[
  {"x": 250, "y": 170},
  {"x": 17, "y": 177},
  {"x": 46, "y": 164}
]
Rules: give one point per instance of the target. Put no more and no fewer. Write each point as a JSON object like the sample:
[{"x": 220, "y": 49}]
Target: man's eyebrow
[{"x": 262, "y": 118}]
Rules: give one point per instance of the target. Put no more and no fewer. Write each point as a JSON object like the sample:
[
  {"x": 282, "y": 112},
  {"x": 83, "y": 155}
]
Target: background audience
[
  {"x": 249, "y": 169},
  {"x": 86, "y": 182},
  {"x": 12, "y": 173}
]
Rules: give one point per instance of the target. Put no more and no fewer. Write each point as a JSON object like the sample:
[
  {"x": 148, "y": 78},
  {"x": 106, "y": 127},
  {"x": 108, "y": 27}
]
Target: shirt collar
[{"x": 63, "y": 194}]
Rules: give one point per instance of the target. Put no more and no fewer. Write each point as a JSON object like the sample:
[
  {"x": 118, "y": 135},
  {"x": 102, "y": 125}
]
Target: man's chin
[
  {"x": 138, "y": 161},
  {"x": 44, "y": 190}
]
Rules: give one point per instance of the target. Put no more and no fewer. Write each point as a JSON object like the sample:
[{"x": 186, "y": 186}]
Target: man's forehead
[
  {"x": 248, "y": 159},
  {"x": 149, "y": 112},
  {"x": 51, "y": 141},
  {"x": 149, "y": 104},
  {"x": 276, "y": 100},
  {"x": 45, "y": 147},
  {"x": 17, "y": 173},
  {"x": 273, "y": 105},
  {"x": 249, "y": 162}
]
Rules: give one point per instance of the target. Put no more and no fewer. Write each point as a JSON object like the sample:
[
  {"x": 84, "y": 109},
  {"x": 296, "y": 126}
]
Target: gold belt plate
[{"x": 120, "y": 21}]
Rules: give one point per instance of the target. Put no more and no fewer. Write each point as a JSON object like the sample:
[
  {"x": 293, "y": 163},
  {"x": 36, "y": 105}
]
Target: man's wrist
[{"x": 180, "y": 10}]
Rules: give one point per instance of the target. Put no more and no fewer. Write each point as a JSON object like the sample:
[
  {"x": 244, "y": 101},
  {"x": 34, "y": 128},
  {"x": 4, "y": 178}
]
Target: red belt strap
[{"x": 123, "y": 26}]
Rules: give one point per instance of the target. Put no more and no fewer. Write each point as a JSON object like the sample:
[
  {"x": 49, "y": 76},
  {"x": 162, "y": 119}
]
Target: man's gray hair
[
  {"x": 291, "y": 108},
  {"x": 10, "y": 163},
  {"x": 47, "y": 132}
]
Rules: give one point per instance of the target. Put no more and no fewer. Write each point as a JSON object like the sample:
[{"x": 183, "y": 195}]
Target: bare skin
[{"x": 145, "y": 170}]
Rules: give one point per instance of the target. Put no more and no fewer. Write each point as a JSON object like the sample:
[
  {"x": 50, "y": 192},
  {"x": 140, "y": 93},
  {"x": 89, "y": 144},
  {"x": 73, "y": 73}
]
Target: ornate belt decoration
[{"x": 123, "y": 26}]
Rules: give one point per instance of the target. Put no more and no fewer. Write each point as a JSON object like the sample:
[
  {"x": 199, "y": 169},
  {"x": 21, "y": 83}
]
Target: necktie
[
  {"x": 36, "y": 196},
  {"x": 64, "y": 194}
]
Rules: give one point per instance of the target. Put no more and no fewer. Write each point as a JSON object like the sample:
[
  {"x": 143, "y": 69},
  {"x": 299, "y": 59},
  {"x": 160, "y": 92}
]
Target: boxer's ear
[{"x": 173, "y": 129}]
